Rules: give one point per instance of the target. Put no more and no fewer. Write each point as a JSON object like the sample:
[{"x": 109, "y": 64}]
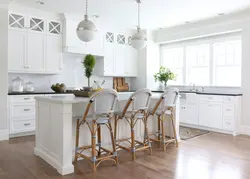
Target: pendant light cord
[
  {"x": 86, "y": 7},
  {"x": 139, "y": 9}
]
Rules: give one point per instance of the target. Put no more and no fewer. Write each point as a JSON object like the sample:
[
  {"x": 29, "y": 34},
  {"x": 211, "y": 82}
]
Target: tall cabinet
[{"x": 35, "y": 45}]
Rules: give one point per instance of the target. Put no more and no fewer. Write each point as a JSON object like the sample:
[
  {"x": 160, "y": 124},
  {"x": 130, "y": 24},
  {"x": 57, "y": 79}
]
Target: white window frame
[{"x": 206, "y": 40}]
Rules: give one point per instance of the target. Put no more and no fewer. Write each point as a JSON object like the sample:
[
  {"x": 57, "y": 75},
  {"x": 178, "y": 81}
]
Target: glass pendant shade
[
  {"x": 86, "y": 30},
  {"x": 139, "y": 40}
]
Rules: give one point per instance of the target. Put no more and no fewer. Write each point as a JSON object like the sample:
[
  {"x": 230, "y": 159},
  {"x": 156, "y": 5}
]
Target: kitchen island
[{"x": 55, "y": 128}]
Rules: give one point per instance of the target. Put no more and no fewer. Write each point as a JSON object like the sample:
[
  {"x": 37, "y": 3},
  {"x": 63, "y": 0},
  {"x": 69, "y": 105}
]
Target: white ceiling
[{"x": 154, "y": 13}]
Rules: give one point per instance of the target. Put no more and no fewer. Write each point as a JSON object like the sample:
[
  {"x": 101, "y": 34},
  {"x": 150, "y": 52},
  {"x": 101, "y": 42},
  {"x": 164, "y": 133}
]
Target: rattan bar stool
[
  {"x": 135, "y": 109},
  {"x": 164, "y": 110},
  {"x": 99, "y": 112}
]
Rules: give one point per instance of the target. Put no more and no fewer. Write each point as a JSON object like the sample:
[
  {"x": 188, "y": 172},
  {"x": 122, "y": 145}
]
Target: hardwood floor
[{"x": 212, "y": 156}]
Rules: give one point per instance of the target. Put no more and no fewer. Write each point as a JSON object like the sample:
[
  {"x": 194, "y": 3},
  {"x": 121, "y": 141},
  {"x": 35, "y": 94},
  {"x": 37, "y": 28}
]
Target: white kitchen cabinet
[
  {"x": 120, "y": 59},
  {"x": 36, "y": 44},
  {"x": 54, "y": 54},
  {"x": 210, "y": 114},
  {"x": 34, "y": 47},
  {"x": 17, "y": 51},
  {"x": 188, "y": 115}
]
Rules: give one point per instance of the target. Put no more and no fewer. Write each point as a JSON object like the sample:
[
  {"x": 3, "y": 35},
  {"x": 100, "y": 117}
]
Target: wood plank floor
[{"x": 212, "y": 156}]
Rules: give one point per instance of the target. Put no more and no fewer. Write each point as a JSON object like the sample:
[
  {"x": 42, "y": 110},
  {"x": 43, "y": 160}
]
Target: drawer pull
[
  {"x": 26, "y": 98},
  {"x": 26, "y": 109},
  {"x": 210, "y": 98},
  {"x": 228, "y": 109},
  {"x": 27, "y": 124}
]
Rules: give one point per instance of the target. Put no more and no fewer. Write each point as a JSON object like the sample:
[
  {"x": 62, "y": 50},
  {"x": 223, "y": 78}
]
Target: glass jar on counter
[
  {"x": 29, "y": 87},
  {"x": 17, "y": 85}
]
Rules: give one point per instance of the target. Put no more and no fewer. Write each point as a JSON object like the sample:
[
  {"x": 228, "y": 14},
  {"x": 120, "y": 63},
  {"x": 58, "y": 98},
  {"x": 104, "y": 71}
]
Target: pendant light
[
  {"x": 86, "y": 29},
  {"x": 139, "y": 40}
]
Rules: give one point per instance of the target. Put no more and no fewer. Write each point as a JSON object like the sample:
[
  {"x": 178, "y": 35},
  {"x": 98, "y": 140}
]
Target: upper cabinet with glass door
[
  {"x": 54, "y": 27},
  {"x": 17, "y": 21},
  {"x": 36, "y": 24}
]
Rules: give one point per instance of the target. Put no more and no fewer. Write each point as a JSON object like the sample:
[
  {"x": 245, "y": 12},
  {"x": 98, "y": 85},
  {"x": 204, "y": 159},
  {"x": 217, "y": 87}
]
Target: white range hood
[{"x": 72, "y": 44}]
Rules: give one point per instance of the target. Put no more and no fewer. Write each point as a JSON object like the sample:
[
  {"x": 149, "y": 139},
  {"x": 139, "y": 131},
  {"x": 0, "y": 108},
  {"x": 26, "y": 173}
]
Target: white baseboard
[
  {"x": 4, "y": 134},
  {"x": 243, "y": 129},
  {"x": 63, "y": 170}
]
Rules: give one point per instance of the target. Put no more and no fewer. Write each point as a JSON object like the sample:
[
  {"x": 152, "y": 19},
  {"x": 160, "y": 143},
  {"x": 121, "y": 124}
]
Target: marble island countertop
[{"x": 74, "y": 100}]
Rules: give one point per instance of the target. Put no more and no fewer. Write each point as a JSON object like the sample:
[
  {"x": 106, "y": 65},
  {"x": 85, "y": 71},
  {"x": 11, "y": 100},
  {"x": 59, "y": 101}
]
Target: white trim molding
[
  {"x": 244, "y": 129},
  {"x": 4, "y": 134}
]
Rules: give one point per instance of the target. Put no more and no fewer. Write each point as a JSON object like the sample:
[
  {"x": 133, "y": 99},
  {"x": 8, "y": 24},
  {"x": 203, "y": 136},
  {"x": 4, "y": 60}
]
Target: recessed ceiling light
[
  {"x": 221, "y": 14},
  {"x": 40, "y": 2}
]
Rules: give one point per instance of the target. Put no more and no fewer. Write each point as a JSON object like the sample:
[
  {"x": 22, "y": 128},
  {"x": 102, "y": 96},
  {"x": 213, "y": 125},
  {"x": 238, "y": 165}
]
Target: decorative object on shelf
[
  {"x": 29, "y": 87},
  {"x": 139, "y": 39},
  {"x": 58, "y": 88},
  {"x": 98, "y": 86},
  {"x": 86, "y": 29},
  {"x": 17, "y": 85},
  {"x": 164, "y": 75},
  {"x": 120, "y": 85},
  {"x": 89, "y": 64}
]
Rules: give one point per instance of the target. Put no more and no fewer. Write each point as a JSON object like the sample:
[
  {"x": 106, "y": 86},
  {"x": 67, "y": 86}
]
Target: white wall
[
  {"x": 228, "y": 23},
  {"x": 3, "y": 73}
]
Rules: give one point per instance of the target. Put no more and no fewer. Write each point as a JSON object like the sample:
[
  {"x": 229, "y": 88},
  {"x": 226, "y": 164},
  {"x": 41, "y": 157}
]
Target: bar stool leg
[
  {"x": 163, "y": 133},
  {"x": 132, "y": 139},
  {"x": 159, "y": 127},
  {"x": 113, "y": 143},
  {"x": 115, "y": 127},
  {"x": 99, "y": 139},
  {"x": 147, "y": 137},
  {"x": 174, "y": 130},
  {"x": 77, "y": 139},
  {"x": 93, "y": 144}
]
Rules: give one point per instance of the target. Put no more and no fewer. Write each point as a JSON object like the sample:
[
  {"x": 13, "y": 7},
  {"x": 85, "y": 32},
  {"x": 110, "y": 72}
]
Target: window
[
  {"x": 173, "y": 59},
  {"x": 197, "y": 58},
  {"x": 205, "y": 62},
  {"x": 227, "y": 63}
]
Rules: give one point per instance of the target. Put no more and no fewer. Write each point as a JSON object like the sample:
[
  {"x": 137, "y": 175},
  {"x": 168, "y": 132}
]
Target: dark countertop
[
  {"x": 36, "y": 92},
  {"x": 208, "y": 93}
]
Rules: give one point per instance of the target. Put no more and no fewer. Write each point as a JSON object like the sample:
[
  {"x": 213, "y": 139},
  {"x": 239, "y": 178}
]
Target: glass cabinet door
[
  {"x": 16, "y": 21},
  {"x": 120, "y": 39},
  {"x": 110, "y": 37},
  {"x": 54, "y": 27},
  {"x": 36, "y": 24}
]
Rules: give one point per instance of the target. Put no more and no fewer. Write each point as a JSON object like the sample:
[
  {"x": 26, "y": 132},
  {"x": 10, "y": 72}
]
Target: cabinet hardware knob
[
  {"x": 27, "y": 124},
  {"x": 26, "y": 109}
]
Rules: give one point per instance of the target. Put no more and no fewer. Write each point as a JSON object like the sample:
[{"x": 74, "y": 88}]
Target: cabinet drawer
[
  {"x": 228, "y": 123},
  {"x": 214, "y": 98},
  {"x": 23, "y": 126},
  {"x": 22, "y": 110},
  {"x": 22, "y": 99},
  {"x": 229, "y": 99},
  {"x": 228, "y": 110}
]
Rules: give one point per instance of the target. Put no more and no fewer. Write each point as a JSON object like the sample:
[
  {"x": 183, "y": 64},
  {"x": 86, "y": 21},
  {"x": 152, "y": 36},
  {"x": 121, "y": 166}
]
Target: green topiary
[{"x": 89, "y": 64}]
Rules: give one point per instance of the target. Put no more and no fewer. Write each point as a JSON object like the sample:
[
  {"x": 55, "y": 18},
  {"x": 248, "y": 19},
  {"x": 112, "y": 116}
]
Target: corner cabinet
[
  {"x": 120, "y": 58},
  {"x": 35, "y": 45}
]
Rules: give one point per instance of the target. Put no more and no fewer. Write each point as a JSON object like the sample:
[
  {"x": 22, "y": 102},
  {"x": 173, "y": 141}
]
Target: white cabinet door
[
  {"x": 210, "y": 115},
  {"x": 188, "y": 115},
  {"x": 119, "y": 59},
  {"x": 36, "y": 52},
  {"x": 109, "y": 57},
  {"x": 54, "y": 54},
  {"x": 131, "y": 61},
  {"x": 17, "y": 51}
]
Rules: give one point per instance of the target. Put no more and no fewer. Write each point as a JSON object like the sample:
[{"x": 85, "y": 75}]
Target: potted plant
[
  {"x": 164, "y": 75},
  {"x": 89, "y": 64}
]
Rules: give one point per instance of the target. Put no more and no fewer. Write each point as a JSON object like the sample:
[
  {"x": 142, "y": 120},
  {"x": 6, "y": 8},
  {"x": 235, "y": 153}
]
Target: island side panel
[{"x": 54, "y": 135}]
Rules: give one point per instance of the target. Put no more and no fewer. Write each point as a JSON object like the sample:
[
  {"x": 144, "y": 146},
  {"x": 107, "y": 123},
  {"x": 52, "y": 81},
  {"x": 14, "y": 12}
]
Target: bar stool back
[
  {"x": 165, "y": 108},
  {"x": 98, "y": 112},
  {"x": 135, "y": 109}
]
